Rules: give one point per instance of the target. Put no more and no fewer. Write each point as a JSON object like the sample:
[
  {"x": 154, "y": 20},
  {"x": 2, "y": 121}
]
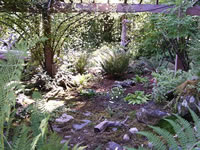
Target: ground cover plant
[{"x": 137, "y": 98}]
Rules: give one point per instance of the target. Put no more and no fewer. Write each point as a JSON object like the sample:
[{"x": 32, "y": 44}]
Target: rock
[
  {"x": 150, "y": 145},
  {"x": 56, "y": 129},
  {"x": 185, "y": 102},
  {"x": 64, "y": 119},
  {"x": 195, "y": 78},
  {"x": 67, "y": 137},
  {"x": 24, "y": 100},
  {"x": 114, "y": 129},
  {"x": 125, "y": 83},
  {"x": 126, "y": 137},
  {"x": 150, "y": 116},
  {"x": 80, "y": 126},
  {"x": 63, "y": 141},
  {"x": 87, "y": 114},
  {"x": 170, "y": 66},
  {"x": 133, "y": 130},
  {"x": 22, "y": 104},
  {"x": 113, "y": 146}
]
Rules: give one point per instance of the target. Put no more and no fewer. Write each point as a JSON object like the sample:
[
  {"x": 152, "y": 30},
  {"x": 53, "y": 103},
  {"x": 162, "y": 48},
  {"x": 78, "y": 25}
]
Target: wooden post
[{"x": 124, "y": 40}]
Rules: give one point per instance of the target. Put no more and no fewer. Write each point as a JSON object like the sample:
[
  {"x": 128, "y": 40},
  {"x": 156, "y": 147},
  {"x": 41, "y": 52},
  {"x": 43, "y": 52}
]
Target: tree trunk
[
  {"x": 48, "y": 49},
  {"x": 183, "y": 62}
]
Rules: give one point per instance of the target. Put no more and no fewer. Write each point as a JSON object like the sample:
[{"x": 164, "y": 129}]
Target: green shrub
[
  {"x": 137, "y": 98},
  {"x": 115, "y": 63},
  {"x": 167, "y": 81},
  {"x": 81, "y": 63}
]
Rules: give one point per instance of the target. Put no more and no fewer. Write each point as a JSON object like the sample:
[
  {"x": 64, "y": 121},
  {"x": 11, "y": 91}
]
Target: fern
[
  {"x": 114, "y": 63},
  {"x": 53, "y": 143},
  {"x": 197, "y": 124},
  {"x": 21, "y": 139},
  {"x": 178, "y": 130},
  {"x": 186, "y": 137},
  {"x": 33, "y": 137},
  {"x": 9, "y": 82},
  {"x": 155, "y": 140},
  {"x": 167, "y": 136},
  {"x": 189, "y": 131}
]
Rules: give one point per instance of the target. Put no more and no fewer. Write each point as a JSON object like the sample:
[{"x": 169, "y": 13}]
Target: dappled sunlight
[{"x": 52, "y": 105}]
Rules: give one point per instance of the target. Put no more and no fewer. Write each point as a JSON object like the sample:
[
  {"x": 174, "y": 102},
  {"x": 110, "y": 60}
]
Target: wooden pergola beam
[
  {"x": 61, "y": 7},
  {"x": 109, "y": 8}
]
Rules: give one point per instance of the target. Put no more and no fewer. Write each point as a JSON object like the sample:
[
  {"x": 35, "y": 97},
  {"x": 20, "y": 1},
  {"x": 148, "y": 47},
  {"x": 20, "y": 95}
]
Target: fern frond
[
  {"x": 22, "y": 139},
  {"x": 182, "y": 138},
  {"x": 155, "y": 140},
  {"x": 52, "y": 143},
  {"x": 34, "y": 142},
  {"x": 167, "y": 136},
  {"x": 188, "y": 130},
  {"x": 196, "y": 120}
]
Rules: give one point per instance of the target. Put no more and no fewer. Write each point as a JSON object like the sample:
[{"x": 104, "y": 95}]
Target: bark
[
  {"x": 183, "y": 62},
  {"x": 124, "y": 41},
  {"x": 48, "y": 50}
]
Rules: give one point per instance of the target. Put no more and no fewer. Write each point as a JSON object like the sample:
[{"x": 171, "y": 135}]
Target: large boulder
[{"x": 151, "y": 114}]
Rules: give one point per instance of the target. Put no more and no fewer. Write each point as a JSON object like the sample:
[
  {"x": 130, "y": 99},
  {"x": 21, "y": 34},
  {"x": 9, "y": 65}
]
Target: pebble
[
  {"x": 133, "y": 130},
  {"x": 126, "y": 137}
]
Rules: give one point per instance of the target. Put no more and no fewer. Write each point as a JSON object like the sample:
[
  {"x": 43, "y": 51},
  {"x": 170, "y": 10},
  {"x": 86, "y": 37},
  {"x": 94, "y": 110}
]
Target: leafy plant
[
  {"x": 167, "y": 35},
  {"x": 139, "y": 79},
  {"x": 137, "y": 98},
  {"x": 115, "y": 63},
  {"x": 167, "y": 81},
  {"x": 88, "y": 92},
  {"x": 186, "y": 137},
  {"x": 9, "y": 82},
  {"x": 116, "y": 93},
  {"x": 81, "y": 63},
  {"x": 81, "y": 80}
]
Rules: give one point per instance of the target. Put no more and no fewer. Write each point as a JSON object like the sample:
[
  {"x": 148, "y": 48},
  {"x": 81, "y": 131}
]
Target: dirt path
[{"x": 98, "y": 108}]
